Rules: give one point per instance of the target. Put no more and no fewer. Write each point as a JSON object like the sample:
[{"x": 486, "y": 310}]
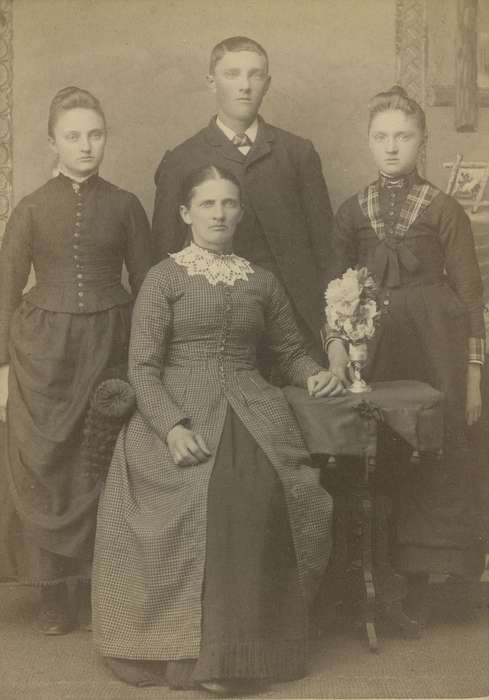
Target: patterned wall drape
[
  {"x": 6, "y": 76},
  {"x": 411, "y": 51}
]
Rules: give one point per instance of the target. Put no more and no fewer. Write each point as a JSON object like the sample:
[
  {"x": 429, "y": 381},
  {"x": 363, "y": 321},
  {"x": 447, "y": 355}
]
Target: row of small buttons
[
  {"x": 225, "y": 329},
  {"x": 391, "y": 213},
  {"x": 76, "y": 247}
]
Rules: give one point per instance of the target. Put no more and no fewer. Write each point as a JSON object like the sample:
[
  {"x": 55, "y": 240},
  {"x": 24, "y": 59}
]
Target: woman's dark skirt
[
  {"x": 49, "y": 496},
  {"x": 435, "y": 501},
  {"x": 254, "y": 618}
]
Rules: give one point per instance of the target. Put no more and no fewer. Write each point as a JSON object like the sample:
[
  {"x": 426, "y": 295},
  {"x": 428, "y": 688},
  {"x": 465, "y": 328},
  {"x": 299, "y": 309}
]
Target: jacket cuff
[
  {"x": 476, "y": 351},
  {"x": 328, "y": 335}
]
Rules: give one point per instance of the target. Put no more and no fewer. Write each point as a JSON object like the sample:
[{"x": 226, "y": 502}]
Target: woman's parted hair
[
  {"x": 199, "y": 176},
  {"x": 396, "y": 99},
  {"x": 71, "y": 98}
]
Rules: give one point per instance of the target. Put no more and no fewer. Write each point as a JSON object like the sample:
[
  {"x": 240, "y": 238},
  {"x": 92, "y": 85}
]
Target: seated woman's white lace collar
[{"x": 216, "y": 267}]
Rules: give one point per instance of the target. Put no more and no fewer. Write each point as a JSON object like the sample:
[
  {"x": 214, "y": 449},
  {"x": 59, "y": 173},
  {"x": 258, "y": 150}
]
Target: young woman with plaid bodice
[
  {"x": 213, "y": 530},
  {"x": 418, "y": 243}
]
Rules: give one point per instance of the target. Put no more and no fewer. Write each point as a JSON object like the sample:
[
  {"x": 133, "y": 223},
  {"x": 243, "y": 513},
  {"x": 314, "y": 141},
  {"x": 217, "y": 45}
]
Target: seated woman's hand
[
  {"x": 324, "y": 383},
  {"x": 186, "y": 447}
]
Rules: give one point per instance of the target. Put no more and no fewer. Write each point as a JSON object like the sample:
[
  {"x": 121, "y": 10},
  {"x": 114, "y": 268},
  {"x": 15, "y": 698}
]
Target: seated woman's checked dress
[{"x": 211, "y": 566}]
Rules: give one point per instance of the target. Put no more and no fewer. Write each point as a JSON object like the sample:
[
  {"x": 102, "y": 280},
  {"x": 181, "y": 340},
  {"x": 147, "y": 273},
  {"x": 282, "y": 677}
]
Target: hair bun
[
  {"x": 398, "y": 90},
  {"x": 394, "y": 99}
]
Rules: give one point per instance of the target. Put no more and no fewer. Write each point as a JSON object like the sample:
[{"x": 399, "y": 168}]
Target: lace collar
[{"x": 216, "y": 267}]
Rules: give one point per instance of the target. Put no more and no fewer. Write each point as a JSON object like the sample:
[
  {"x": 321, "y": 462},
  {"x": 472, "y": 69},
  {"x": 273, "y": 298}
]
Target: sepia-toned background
[{"x": 146, "y": 60}]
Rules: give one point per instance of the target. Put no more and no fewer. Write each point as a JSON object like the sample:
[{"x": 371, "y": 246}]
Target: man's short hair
[{"x": 233, "y": 44}]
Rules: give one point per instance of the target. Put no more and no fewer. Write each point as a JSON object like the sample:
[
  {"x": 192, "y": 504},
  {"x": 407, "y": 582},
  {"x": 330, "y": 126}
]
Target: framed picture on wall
[{"x": 468, "y": 183}]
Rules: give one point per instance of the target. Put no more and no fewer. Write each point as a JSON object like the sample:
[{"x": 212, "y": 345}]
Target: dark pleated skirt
[
  {"x": 254, "y": 619},
  {"x": 49, "y": 497}
]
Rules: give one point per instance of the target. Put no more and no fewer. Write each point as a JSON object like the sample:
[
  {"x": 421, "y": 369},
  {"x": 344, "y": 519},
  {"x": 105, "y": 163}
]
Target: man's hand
[
  {"x": 324, "y": 383},
  {"x": 186, "y": 447}
]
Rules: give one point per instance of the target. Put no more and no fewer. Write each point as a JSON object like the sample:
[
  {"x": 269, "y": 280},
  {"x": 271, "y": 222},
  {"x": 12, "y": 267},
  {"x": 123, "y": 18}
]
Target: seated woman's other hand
[
  {"x": 324, "y": 383},
  {"x": 186, "y": 447}
]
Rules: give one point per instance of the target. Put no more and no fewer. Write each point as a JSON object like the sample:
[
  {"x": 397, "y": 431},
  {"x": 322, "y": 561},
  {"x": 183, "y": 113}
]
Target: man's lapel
[
  {"x": 262, "y": 146},
  {"x": 218, "y": 140}
]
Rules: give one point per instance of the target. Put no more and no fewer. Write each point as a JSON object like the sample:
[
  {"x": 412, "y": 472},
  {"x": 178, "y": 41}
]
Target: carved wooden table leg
[
  {"x": 369, "y": 600},
  {"x": 368, "y": 578},
  {"x": 384, "y": 588}
]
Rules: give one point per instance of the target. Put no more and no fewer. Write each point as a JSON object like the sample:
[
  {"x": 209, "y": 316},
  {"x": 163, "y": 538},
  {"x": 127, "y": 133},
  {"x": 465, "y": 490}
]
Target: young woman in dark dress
[
  {"x": 56, "y": 343},
  {"x": 418, "y": 243},
  {"x": 213, "y": 530}
]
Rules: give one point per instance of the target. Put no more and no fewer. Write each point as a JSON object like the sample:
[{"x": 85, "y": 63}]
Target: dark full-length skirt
[
  {"x": 49, "y": 497},
  {"x": 435, "y": 501},
  {"x": 254, "y": 616}
]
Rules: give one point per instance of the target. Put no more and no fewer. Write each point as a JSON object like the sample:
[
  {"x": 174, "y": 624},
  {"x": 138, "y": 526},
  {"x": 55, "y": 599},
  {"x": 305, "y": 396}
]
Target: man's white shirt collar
[{"x": 251, "y": 132}]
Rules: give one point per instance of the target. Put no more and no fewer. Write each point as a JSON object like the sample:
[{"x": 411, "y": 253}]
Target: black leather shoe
[
  {"x": 54, "y": 620},
  {"x": 141, "y": 674},
  {"x": 223, "y": 690},
  {"x": 54, "y": 616},
  {"x": 234, "y": 687}
]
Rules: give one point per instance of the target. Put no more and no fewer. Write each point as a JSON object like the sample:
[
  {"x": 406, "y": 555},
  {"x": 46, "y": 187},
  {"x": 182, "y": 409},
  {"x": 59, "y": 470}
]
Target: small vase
[{"x": 358, "y": 359}]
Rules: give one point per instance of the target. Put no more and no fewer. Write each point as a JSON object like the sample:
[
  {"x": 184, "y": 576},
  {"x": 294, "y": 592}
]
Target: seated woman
[{"x": 213, "y": 530}]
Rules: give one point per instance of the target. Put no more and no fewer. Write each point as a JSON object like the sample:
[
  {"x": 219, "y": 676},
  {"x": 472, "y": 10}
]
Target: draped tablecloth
[{"x": 341, "y": 425}]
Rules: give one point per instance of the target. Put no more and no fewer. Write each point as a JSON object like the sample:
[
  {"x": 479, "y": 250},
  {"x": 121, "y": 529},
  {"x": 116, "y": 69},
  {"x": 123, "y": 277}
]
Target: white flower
[
  {"x": 350, "y": 305},
  {"x": 345, "y": 289}
]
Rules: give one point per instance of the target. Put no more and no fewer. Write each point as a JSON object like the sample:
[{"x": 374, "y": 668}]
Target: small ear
[
  {"x": 211, "y": 82},
  {"x": 52, "y": 144},
  {"x": 185, "y": 214},
  {"x": 265, "y": 90}
]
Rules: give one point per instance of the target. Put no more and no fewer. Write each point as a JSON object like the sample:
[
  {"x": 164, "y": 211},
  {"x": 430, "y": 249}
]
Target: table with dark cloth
[{"x": 349, "y": 427}]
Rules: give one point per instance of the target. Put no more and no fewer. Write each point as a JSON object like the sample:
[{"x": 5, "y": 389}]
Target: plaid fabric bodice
[{"x": 396, "y": 249}]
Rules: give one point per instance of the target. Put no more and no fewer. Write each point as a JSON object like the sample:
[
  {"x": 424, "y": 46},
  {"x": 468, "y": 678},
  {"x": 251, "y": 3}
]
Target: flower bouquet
[{"x": 351, "y": 312}]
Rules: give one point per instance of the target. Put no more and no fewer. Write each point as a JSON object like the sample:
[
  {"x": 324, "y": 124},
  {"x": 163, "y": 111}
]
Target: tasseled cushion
[{"x": 112, "y": 404}]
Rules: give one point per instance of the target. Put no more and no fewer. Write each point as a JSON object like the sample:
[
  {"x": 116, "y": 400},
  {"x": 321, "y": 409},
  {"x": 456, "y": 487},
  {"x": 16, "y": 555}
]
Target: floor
[{"x": 451, "y": 660}]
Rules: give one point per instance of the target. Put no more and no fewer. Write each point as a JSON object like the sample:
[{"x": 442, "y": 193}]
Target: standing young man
[{"x": 287, "y": 218}]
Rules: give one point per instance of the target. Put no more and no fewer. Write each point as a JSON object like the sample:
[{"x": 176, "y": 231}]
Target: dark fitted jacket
[
  {"x": 77, "y": 240},
  {"x": 286, "y": 202}
]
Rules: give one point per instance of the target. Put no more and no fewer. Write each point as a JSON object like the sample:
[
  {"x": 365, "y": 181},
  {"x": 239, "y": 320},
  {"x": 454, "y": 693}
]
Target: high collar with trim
[{"x": 402, "y": 182}]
